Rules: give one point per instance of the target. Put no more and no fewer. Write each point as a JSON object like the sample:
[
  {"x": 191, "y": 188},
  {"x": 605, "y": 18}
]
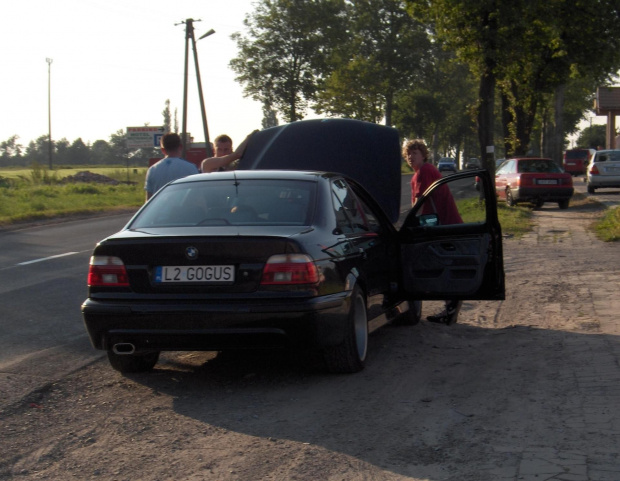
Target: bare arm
[{"x": 213, "y": 163}]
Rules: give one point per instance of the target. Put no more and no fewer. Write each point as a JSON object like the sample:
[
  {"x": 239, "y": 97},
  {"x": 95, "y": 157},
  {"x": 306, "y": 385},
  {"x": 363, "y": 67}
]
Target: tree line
[
  {"x": 66, "y": 153},
  {"x": 463, "y": 75},
  {"x": 516, "y": 75},
  {"x": 114, "y": 151}
]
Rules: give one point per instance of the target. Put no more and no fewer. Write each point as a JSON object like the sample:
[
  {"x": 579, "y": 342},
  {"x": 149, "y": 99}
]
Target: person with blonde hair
[{"x": 224, "y": 155}]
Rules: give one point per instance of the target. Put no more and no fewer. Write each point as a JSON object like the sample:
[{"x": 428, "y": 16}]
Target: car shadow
[{"x": 429, "y": 395}]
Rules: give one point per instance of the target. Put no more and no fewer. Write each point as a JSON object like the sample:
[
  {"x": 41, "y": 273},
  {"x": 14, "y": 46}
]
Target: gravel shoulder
[{"x": 521, "y": 389}]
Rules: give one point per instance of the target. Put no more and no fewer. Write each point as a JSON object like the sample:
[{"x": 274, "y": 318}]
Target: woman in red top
[{"x": 441, "y": 203}]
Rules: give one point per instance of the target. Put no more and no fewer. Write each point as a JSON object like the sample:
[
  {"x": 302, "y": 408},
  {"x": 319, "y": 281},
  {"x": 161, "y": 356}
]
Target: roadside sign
[{"x": 144, "y": 137}]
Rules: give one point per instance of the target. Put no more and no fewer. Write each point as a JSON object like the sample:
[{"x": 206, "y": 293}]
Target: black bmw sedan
[{"x": 280, "y": 259}]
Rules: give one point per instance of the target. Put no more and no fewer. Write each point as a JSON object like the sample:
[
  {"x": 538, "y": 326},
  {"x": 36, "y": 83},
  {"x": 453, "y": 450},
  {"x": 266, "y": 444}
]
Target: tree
[
  {"x": 100, "y": 152},
  {"x": 62, "y": 152},
  {"x": 439, "y": 107},
  {"x": 10, "y": 150},
  {"x": 118, "y": 146},
  {"x": 471, "y": 31},
  {"x": 591, "y": 137},
  {"x": 382, "y": 56},
  {"x": 78, "y": 153},
  {"x": 530, "y": 49},
  {"x": 167, "y": 117},
  {"x": 282, "y": 55},
  {"x": 270, "y": 119},
  {"x": 37, "y": 151}
]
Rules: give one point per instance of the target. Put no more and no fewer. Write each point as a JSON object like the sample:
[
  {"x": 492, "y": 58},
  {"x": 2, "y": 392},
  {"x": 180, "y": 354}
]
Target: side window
[
  {"x": 350, "y": 214},
  {"x": 371, "y": 219},
  {"x": 505, "y": 167}
]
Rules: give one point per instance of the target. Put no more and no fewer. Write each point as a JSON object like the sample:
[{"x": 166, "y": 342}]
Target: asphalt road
[{"x": 42, "y": 284}]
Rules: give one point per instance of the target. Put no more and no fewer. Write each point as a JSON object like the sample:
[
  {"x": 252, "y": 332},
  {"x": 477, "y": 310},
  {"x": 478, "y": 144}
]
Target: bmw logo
[{"x": 191, "y": 253}]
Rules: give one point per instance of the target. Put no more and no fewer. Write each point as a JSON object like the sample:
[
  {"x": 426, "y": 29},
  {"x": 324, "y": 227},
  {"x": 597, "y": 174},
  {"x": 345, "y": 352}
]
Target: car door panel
[{"x": 459, "y": 261}]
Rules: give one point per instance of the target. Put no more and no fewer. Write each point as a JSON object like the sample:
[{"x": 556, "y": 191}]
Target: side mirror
[{"x": 429, "y": 220}]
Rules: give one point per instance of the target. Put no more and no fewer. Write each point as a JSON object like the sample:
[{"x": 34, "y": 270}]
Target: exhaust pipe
[{"x": 123, "y": 348}]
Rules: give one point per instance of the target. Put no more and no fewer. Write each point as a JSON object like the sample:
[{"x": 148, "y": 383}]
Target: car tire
[
  {"x": 563, "y": 204},
  {"x": 349, "y": 356},
  {"x": 590, "y": 189},
  {"x": 133, "y": 362},
  {"x": 539, "y": 203},
  {"x": 510, "y": 201}
]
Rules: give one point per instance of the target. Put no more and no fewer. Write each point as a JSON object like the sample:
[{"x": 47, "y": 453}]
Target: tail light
[
  {"x": 107, "y": 271},
  {"x": 594, "y": 170},
  {"x": 285, "y": 269},
  {"x": 524, "y": 180}
]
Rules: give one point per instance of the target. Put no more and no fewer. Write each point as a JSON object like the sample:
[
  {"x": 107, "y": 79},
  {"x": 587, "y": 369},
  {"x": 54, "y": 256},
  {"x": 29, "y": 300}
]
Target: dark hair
[
  {"x": 223, "y": 138},
  {"x": 416, "y": 144},
  {"x": 170, "y": 141}
]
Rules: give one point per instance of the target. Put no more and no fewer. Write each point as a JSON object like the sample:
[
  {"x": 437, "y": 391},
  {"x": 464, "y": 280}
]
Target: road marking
[{"x": 47, "y": 258}]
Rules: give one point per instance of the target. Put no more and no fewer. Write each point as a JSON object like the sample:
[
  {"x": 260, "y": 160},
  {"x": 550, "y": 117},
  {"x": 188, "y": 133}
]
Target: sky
[{"x": 114, "y": 65}]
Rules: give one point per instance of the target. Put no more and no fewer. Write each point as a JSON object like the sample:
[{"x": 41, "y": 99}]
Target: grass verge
[{"x": 608, "y": 227}]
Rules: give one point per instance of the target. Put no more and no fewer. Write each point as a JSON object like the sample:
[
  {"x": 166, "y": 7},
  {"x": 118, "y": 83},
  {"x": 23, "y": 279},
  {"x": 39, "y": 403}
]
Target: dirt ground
[{"x": 524, "y": 389}]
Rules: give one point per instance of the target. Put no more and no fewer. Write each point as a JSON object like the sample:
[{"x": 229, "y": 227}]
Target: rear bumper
[
  {"x": 213, "y": 326},
  {"x": 547, "y": 194},
  {"x": 575, "y": 168},
  {"x": 604, "y": 181}
]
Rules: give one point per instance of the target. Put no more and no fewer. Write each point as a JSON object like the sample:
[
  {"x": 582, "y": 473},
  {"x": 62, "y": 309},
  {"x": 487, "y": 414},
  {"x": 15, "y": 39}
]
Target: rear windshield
[
  {"x": 538, "y": 165},
  {"x": 576, "y": 154},
  {"x": 613, "y": 156},
  {"x": 221, "y": 203}
]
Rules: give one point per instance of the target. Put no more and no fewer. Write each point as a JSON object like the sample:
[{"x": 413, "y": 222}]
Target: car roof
[
  {"x": 257, "y": 174},
  {"x": 366, "y": 152}
]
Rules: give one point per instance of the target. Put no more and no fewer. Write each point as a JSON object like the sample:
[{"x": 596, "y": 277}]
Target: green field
[
  {"x": 36, "y": 194},
  {"x": 116, "y": 172}
]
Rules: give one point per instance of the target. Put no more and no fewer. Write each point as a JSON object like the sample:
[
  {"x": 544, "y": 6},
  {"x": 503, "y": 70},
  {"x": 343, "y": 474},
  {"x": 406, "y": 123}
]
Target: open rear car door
[{"x": 455, "y": 260}]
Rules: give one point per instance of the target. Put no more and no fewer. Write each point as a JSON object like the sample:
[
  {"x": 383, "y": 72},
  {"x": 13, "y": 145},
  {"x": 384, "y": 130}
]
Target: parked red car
[
  {"x": 534, "y": 180},
  {"x": 576, "y": 160}
]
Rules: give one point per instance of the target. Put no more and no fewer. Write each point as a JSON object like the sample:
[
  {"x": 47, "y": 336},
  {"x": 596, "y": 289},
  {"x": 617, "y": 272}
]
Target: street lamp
[
  {"x": 49, "y": 108},
  {"x": 189, "y": 35}
]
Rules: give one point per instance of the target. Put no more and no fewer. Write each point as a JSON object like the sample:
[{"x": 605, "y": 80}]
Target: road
[
  {"x": 608, "y": 197},
  {"x": 519, "y": 390},
  {"x": 42, "y": 284}
]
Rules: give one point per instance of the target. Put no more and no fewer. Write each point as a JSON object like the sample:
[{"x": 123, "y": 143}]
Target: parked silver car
[{"x": 604, "y": 170}]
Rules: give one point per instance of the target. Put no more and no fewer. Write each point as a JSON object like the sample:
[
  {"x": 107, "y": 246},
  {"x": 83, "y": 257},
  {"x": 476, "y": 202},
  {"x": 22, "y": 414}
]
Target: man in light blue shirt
[{"x": 171, "y": 167}]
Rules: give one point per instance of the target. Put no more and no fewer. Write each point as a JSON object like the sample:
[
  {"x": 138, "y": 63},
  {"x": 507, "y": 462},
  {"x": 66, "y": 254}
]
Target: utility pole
[
  {"x": 49, "y": 108},
  {"x": 189, "y": 35}
]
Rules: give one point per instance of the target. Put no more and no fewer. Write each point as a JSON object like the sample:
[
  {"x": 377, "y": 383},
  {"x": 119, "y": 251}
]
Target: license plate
[
  {"x": 612, "y": 170},
  {"x": 547, "y": 181},
  {"x": 199, "y": 274}
]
